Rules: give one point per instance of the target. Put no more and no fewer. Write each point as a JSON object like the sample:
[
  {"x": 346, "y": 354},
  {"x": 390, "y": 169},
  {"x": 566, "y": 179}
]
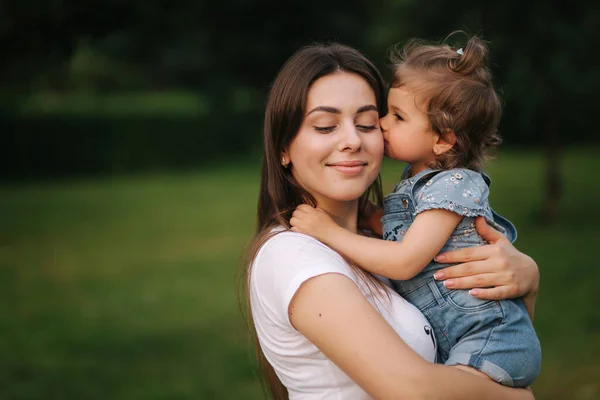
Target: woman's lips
[{"x": 349, "y": 167}]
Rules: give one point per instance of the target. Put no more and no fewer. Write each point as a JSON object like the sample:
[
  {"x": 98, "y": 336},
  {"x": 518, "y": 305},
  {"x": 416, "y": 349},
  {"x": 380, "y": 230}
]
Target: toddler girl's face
[{"x": 406, "y": 130}]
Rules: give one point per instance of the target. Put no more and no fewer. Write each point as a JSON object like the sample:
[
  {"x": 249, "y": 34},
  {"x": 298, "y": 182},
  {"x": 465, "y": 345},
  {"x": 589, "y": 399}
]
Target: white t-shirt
[{"x": 282, "y": 264}]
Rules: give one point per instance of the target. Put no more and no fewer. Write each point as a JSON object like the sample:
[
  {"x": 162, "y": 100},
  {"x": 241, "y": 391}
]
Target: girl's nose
[{"x": 383, "y": 122}]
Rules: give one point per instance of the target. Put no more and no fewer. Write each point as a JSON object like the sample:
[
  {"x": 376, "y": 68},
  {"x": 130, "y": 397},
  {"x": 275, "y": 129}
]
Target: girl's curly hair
[{"x": 456, "y": 90}]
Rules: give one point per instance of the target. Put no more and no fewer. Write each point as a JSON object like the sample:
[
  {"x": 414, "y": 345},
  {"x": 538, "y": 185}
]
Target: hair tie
[{"x": 460, "y": 52}]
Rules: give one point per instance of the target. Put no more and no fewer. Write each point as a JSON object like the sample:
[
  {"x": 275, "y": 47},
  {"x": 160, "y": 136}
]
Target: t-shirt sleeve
[
  {"x": 461, "y": 191},
  {"x": 285, "y": 262}
]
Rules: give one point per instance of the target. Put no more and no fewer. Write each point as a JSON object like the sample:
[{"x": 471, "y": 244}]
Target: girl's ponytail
[{"x": 467, "y": 60}]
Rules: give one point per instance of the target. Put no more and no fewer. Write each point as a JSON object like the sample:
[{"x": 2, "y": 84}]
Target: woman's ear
[
  {"x": 285, "y": 159},
  {"x": 444, "y": 142}
]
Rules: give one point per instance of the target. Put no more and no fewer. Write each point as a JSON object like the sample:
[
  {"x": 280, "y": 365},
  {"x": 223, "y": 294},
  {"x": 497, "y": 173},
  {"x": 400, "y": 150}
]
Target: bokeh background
[{"x": 129, "y": 170}]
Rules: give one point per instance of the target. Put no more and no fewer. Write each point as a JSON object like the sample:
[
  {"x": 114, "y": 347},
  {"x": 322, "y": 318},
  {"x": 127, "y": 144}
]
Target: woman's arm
[
  {"x": 395, "y": 260},
  {"x": 496, "y": 271},
  {"x": 334, "y": 315}
]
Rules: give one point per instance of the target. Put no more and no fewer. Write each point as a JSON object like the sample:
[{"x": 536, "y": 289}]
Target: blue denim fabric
[{"x": 495, "y": 337}]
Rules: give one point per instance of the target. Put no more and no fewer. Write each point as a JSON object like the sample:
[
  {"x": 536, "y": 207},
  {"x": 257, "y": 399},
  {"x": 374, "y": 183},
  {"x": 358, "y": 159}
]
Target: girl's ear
[{"x": 444, "y": 142}]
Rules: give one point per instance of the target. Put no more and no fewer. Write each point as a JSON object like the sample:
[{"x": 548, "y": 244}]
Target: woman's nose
[{"x": 350, "y": 138}]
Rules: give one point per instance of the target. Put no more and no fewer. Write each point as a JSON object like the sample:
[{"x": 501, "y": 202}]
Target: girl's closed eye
[{"x": 398, "y": 117}]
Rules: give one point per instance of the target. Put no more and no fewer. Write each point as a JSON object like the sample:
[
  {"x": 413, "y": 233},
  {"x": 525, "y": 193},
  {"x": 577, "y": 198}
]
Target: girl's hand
[
  {"x": 496, "y": 271},
  {"x": 312, "y": 221}
]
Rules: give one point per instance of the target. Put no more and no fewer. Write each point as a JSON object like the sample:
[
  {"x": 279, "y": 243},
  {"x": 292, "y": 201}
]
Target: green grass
[{"x": 123, "y": 288}]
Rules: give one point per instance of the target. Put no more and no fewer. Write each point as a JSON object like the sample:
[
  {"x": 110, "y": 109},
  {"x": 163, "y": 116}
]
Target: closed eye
[
  {"x": 398, "y": 117},
  {"x": 367, "y": 128},
  {"x": 324, "y": 129}
]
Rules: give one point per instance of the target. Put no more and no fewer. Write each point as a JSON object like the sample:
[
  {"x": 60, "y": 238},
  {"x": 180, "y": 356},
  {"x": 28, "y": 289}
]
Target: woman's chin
[{"x": 346, "y": 195}]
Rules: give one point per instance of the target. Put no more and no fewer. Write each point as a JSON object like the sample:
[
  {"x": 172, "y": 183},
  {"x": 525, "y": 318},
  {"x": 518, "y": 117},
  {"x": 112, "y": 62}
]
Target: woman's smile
[{"x": 349, "y": 167}]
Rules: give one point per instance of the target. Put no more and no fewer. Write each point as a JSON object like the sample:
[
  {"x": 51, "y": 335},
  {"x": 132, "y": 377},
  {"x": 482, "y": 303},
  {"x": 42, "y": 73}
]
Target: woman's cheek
[
  {"x": 376, "y": 146},
  {"x": 375, "y": 149}
]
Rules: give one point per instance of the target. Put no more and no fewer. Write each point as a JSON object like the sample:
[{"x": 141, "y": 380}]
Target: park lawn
[{"x": 123, "y": 288}]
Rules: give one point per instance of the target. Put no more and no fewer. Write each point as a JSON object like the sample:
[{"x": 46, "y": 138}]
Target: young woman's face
[{"x": 337, "y": 152}]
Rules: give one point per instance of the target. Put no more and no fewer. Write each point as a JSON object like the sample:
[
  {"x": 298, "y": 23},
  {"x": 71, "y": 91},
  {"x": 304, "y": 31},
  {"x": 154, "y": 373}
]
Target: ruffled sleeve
[{"x": 461, "y": 191}]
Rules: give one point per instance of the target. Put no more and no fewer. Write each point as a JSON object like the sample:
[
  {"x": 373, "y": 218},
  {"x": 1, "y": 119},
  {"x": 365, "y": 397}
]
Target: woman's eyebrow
[
  {"x": 333, "y": 110},
  {"x": 327, "y": 109},
  {"x": 369, "y": 107}
]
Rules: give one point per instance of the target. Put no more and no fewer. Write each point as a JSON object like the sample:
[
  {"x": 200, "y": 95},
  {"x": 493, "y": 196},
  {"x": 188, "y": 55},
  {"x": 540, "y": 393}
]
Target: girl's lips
[{"x": 349, "y": 167}]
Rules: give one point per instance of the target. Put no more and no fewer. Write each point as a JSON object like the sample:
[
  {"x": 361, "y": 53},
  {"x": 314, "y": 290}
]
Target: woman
[{"x": 326, "y": 328}]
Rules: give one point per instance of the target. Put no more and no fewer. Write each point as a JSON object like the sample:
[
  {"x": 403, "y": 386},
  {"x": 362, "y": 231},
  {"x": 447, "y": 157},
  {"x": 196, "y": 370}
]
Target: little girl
[{"x": 443, "y": 113}]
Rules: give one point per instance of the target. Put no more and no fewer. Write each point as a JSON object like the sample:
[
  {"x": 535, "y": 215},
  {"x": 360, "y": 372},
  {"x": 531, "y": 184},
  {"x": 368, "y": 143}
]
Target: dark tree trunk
[{"x": 554, "y": 185}]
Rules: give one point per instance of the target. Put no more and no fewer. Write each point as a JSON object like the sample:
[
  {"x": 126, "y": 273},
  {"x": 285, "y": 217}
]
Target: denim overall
[{"x": 495, "y": 337}]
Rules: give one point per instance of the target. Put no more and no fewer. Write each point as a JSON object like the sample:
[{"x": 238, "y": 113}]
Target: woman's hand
[{"x": 495, "y": 272}]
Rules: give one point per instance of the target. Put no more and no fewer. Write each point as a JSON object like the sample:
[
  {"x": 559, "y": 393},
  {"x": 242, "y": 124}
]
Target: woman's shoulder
[
  {"x": 289, "y": 242},
  {"x": 283, "y": 263},
  {"x": 286, "y": 253}
]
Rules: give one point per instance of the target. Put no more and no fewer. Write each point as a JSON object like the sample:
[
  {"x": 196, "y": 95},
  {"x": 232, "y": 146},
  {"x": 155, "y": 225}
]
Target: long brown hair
[
  {"x": 280, "y": 194},
  {"x": 457, "y": 90}
]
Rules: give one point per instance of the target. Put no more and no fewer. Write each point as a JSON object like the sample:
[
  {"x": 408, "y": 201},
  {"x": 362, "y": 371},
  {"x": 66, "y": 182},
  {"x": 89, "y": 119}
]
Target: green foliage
[
  {"x": 121, "y": 104},
  {"x": 217, "y": 59},
  {"x": 123, "y": 288}
]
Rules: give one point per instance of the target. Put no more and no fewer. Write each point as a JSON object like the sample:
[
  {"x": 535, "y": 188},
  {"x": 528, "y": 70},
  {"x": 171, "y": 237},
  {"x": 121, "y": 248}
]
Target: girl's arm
[
  {"x": 395, "y": 260},
  {"x": 334, "y": 315},
  {"x": 497, "y": 271}
]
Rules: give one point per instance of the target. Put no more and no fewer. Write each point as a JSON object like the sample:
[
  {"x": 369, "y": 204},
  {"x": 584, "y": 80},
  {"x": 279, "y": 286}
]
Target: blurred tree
[
  {"x": 547, "y": 59},
  {"x": 230, "y": 51}
]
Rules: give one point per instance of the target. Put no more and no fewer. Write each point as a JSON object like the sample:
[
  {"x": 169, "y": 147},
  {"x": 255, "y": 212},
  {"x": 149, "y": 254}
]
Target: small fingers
[
  {"x": 304, "y": 207},
  {"x": 298, "y": 213},
  {"x": 302, "y": 210},
  {"x": 297, "y": 221}
]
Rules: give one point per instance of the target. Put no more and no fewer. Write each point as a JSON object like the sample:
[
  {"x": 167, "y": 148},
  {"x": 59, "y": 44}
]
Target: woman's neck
[{"x": 344, "y": 213}]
